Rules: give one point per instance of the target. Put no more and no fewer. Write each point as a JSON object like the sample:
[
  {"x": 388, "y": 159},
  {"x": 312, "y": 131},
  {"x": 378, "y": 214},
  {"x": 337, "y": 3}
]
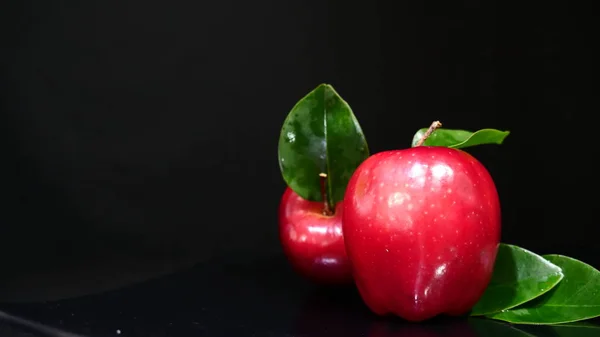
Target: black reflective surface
[{"x": 236, "y": 296}]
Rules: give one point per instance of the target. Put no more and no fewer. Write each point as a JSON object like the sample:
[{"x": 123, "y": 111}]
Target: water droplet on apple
[{"x": 440, "y": 270}]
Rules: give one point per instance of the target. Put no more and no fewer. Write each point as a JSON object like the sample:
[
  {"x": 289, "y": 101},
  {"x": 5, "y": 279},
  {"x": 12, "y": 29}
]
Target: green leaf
[
  {"x": 460, "y": 138},
  {"x": 519, "y": 276},
  {"x": 488, "y": 328},
  {"x": 575, "y": 298},
  {"x": 321, "y": 135}
]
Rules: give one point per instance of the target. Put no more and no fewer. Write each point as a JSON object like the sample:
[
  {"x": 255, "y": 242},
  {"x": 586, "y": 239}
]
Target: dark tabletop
[{"x": 232, "y": 296}]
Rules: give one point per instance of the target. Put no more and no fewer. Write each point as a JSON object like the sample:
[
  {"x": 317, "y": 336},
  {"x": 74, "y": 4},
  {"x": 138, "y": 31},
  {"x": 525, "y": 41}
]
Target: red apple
[
  {"x": 421, "y": 229},
  {"x": 312, "y": 239}
]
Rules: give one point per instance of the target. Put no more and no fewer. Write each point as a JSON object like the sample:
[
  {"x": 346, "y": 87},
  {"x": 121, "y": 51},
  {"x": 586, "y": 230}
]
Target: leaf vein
[{"x": 582, "y": 288}]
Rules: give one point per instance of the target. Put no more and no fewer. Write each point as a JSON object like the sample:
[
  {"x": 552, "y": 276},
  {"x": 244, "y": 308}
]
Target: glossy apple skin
[
  {"x": 313, "y": 242},
  {"x": 421, "y": 228}
]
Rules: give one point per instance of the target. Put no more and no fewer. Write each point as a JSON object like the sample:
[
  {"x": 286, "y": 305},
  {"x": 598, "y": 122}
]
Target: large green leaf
[
  {"x": 321, "y": 135},
  {"x": 519, "y": 276},
  {"x": 460, "y": 138},
  {"x": 575, "y": 298}
]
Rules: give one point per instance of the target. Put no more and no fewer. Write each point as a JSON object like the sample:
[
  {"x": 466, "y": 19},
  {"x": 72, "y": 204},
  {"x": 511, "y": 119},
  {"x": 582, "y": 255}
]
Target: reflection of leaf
[
  {"x": 321, "y": 135},
  {"x": 489, "y": 328},
  {"x": 575, "y": 298},
  {"x": 519, "y": 276},
  {"x": 564, "y": 330},
  {"x": 579, "y": 325}
]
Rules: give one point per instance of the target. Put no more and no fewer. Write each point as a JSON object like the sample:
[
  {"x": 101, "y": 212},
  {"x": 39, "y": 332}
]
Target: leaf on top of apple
[
  {"x": 519, "y": 276},
  {"x": 458, "y": 139},
  {"x": 575, "y": 298},
  {"x": 321, "y": 135}
]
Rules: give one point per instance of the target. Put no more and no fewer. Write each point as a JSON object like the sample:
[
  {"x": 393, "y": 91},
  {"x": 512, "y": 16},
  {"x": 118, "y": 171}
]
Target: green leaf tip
[
  {"x": 321, "y": 142},
  {"x": 455, "y": 138}
]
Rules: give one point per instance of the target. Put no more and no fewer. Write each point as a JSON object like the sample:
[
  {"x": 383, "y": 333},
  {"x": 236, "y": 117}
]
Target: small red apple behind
[
  {"x": 421, "y": 229},
  {"x": 312, "y": 239}
]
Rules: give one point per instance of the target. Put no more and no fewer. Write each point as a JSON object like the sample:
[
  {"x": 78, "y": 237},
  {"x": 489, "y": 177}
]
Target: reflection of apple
[
  {"x": 312, "y": 240},
  {"x": 421, "y": 228},
  {"x": 331, "y": 311},
  {"x": 455, "y": 328}
]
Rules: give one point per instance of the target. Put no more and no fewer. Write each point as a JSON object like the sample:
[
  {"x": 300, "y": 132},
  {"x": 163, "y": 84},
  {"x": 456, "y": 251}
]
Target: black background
[{"x": 139, "y": 137}]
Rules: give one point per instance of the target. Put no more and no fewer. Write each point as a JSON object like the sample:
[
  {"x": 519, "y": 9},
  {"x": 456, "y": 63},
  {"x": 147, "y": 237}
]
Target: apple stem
[
  {"x": 326, "y": 207},
  {"x": 428, "y": 133}
]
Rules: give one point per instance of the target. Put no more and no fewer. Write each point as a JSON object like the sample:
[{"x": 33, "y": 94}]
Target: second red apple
[{"x": 313, "y": 241}]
